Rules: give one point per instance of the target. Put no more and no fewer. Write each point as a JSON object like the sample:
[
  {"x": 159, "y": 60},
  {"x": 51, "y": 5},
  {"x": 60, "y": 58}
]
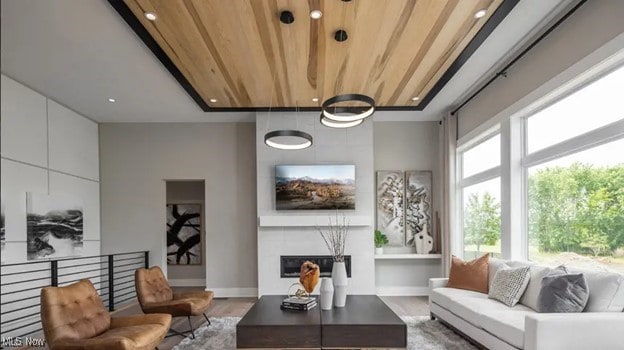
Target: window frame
[
  {"x": 457, "y": 246},
  {"x": 515, "y": 162}
]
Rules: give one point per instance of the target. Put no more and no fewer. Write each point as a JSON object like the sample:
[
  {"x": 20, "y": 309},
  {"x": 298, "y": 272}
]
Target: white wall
[
  {"x": 590, "y": 28},
  {"x": 46, "y": 148},
  {"x": 408, "y": 146},
  {"x": 136, "y": 159},
  {"x": 187, "y": 192},
  {"x": 331, "y": 146},
  {"x": 49, "y": 149}
]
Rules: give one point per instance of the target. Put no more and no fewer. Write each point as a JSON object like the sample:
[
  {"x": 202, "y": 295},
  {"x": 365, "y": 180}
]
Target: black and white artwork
[
  {"x": 54, "y": 226},
  {"x": 418, "y": 211},
  {"x": 2, "y": 229},
  {"x": 184, "y": 228},
  {"x": 390, "y": 195}
]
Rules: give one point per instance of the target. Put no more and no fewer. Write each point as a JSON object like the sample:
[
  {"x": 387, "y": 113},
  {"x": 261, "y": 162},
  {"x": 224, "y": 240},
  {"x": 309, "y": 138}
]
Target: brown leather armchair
[
  {"x": 155, "y": 296},
  {"x": 74, "y": 318}
]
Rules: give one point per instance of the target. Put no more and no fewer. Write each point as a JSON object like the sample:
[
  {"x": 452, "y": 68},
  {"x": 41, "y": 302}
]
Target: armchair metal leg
[
  {"x": 191, "y": 325},
  {"x": 207, "y": 319}
]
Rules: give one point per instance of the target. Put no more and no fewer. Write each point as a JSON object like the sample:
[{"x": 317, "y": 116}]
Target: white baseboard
[
  {"x": 402, "y": 291},
  {"x": 189, "y": 282},
  {"x": 234, "y": 292}
]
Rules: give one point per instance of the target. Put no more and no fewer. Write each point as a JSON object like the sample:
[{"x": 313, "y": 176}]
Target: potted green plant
[{"x": 380, "y": 241}]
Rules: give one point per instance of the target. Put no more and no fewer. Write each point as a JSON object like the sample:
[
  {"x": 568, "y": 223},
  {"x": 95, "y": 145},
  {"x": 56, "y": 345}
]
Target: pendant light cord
[{"x": 270, "y": 102}]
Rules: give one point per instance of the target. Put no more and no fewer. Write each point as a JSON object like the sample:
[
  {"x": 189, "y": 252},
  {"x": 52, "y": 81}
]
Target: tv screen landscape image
[{"x": 314, "y": 187}]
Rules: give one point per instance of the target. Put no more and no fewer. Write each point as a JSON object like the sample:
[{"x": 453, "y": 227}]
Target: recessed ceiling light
[
  {"x": 111, "y": 100},
  {"x": 315, "y": 99},
  {"x": 316, "y": 14},
  {"x": 213, "y": 100},
  {"x": 480, "y": 13},
  {"x": 150, "y": 15},
  {"x": 415, "y": 98}
]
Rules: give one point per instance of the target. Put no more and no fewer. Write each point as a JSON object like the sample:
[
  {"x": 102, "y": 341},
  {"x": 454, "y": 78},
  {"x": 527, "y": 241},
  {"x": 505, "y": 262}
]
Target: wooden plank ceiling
[{"x": 239, "y": 54}]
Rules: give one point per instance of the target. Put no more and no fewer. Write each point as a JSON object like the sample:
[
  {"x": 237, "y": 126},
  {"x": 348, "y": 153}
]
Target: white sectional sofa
[{"x": 496, "y": 326}]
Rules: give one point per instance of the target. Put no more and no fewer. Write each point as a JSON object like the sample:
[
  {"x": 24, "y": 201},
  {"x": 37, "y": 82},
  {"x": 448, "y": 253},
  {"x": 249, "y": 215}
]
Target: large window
[
  {"x": 561, "y": 181},
  {"x": 595, "y": 105},
  {"x": 480, "y": 193},
  {"x": 575, "y": 183},
  {"x": 576, "y": 209},
  {"x": 482, "y": 221}
]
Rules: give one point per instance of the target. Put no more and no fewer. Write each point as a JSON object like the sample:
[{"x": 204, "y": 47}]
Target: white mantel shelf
[
  {"x": 310, "y": 220},
  {"x": 407, "y": 256}
]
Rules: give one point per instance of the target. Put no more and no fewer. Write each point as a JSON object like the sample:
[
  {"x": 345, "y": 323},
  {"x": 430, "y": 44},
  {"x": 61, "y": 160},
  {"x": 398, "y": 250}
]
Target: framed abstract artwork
[
  {"x": 184, "y": 234},
  {"x": 404, "y": 209},
  {"x": 54, "y": 226},
  {"x": 390, "y": 209},
  {"x": 418, "y": 225}
]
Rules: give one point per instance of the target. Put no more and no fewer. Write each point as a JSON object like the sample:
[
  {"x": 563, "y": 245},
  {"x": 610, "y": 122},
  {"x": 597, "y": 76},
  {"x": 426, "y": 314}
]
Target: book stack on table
[{"x": 298, "y": 303}]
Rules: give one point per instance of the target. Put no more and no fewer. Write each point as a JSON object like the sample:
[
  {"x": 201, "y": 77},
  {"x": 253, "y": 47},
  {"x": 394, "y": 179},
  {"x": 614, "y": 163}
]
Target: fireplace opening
[{"x": 290, "y": 265}]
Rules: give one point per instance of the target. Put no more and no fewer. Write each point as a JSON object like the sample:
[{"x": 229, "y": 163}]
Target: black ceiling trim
[
  {"x": 497, "y": 17},
  {"x": 503, "y": 71}
]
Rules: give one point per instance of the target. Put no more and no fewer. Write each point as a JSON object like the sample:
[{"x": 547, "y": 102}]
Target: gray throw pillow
[
  {"x": 509, "y": 284},
  {"x": 563, "y": 293}
]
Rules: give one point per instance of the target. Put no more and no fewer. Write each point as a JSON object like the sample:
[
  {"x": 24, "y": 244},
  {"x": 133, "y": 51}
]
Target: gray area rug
[{"x": 422, "y": 334}]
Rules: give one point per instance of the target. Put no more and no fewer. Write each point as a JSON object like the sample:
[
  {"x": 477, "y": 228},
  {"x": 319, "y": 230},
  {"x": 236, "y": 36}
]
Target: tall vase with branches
[{"x": 335, "y": 238}]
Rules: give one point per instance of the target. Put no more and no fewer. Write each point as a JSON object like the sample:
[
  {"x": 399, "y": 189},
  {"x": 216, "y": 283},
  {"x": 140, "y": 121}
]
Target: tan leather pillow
[{"x": 470, "y": 275}]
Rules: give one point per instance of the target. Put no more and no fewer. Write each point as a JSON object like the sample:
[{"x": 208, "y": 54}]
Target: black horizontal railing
[{"x": 21, "y": 284}]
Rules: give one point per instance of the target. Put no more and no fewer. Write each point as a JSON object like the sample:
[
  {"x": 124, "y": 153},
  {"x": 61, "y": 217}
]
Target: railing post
[
  {"x": 111, "y": 285},
  {"x": 147, "y": 259},
  {"x": 54, "y": 273}
]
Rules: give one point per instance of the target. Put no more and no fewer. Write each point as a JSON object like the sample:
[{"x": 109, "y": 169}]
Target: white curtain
[{"x": 448, "y": 218}]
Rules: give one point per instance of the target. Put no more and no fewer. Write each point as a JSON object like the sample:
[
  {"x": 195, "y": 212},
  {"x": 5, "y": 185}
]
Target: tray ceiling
[{"x": 237, "y": 55}]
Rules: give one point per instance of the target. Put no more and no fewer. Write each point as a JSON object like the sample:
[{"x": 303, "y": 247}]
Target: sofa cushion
[
  {"x": 507, "y": 325},
  {"x": 463, "y": 303},
  {"x": 501, "y": 321},
  {"x": 538, "y": 272},
  {"x": 562, "y": 292},
  {"x": 494, "y": 265},
  {"x": 606, "y": 290},
  {"x": 470, "y": 275},
  {"x": 445, "y": 296},
  {"x": 509, "y": 284}
]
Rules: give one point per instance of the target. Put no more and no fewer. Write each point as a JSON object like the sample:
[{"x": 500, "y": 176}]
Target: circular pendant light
[
  {"x": 352, "y": 113},
  {"x": 288, "y": 139},
  {"x": 334, "y": 124}
]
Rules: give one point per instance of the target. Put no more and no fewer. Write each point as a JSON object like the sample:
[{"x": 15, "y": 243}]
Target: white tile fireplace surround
[{"x": 293, "y": 232}]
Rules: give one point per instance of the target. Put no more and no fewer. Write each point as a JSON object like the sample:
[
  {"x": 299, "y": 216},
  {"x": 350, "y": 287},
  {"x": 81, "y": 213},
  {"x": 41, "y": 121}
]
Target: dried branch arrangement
[{"x": 335, "y": 237}]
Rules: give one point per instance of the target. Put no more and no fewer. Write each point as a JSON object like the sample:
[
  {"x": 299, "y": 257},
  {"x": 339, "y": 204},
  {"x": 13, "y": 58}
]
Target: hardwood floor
[{"x": 402, "y": 306}]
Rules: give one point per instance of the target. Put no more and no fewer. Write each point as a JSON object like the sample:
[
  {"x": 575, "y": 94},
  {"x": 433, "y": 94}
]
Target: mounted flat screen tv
[{"x": 314, "y": 187}]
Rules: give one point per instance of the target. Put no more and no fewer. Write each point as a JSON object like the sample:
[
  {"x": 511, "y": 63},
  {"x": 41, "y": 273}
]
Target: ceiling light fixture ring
[
  {"x": 354, "y": 113},
  {"x": 307, "y": 139},
  {"x": 340, "y": 125}
]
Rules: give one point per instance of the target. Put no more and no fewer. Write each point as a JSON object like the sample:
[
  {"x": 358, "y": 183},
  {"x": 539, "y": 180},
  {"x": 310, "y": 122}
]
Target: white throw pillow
[
  {"x": 529, "y": 298},
  {"x": 509, "y": 284},
  {"x": 606, "y": 290},
  {"x": 494, "y": 265}
]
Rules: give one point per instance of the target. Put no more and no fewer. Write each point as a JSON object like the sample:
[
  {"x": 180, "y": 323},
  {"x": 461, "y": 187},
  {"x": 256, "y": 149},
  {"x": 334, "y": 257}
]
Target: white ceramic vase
[
  {"x": 423, "y": 241},
  {"x": 379, "y": 250},
  {"x": 327, "y": 293},
  {"x": 339, "y": 279}
]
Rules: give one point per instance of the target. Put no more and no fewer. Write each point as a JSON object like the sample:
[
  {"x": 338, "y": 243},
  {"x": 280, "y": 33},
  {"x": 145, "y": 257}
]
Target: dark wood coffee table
[{"x": 365, "y": 322}]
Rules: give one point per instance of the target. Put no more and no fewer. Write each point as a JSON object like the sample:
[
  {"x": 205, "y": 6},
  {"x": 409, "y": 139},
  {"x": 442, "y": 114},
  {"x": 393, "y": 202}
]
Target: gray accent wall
[
  {"x": 136, "y": 159},
  {"x": 408, "y": 146}
]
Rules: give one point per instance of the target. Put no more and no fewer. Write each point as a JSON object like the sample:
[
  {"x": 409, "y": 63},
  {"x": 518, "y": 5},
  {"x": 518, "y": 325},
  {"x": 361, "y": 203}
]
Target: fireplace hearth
[{"x": 290, "y": 265}]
